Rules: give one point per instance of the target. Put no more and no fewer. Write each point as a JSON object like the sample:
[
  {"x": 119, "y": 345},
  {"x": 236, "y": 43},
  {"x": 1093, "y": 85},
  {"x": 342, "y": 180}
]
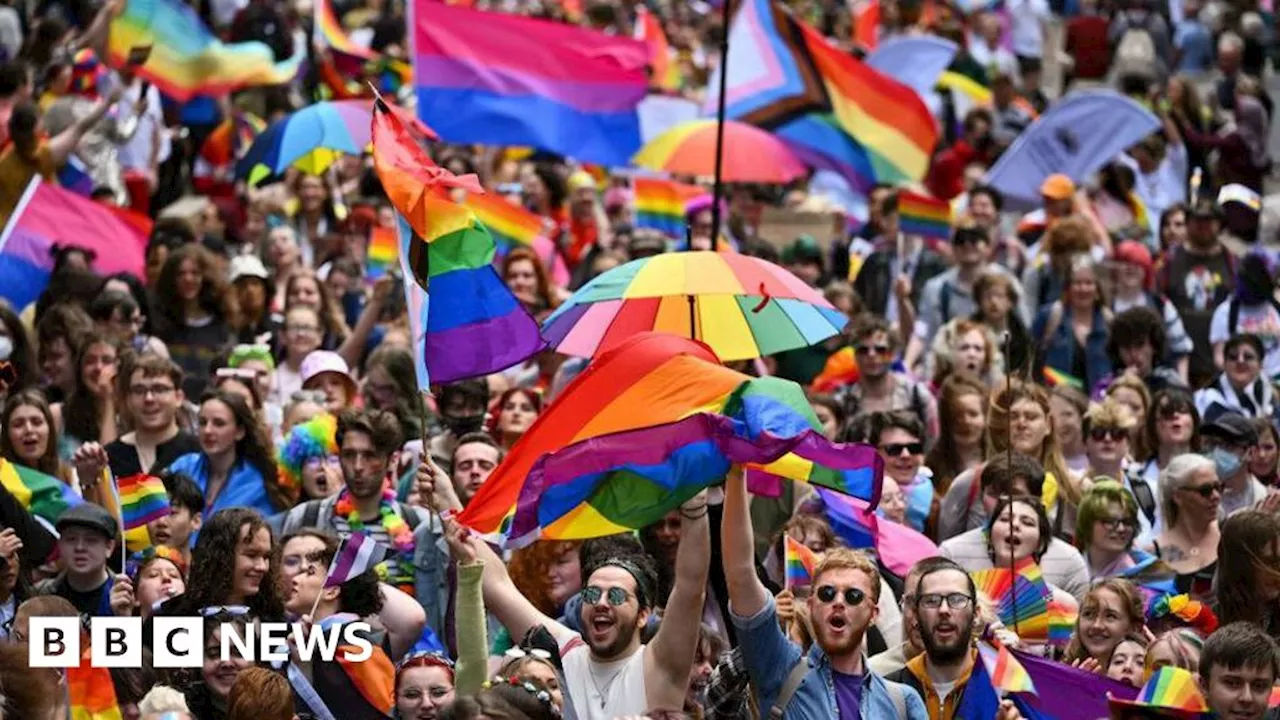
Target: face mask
[
  {"x": 6, "y": 347},
  {"x": 460, "y": 425},
  {"x": 1225, "y": 462}
]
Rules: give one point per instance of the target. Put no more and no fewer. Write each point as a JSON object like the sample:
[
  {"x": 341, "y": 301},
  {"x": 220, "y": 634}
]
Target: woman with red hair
[
  {"x": 527, "y": 279},
  {"x": 513, "y": 415}
]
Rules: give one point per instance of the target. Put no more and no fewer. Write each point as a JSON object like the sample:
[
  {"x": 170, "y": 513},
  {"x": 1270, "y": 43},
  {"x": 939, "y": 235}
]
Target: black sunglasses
[
  {"x": 881, "y": 350},
  {"x": 1205, "y": 491},
  {"x": 896, "y": 449},
  {"x": 1171, "y": 411},
  {"x": 616, "y": 596},
  {"x": 852, "y": 596},
  {"x": 1099, "y": 434}
]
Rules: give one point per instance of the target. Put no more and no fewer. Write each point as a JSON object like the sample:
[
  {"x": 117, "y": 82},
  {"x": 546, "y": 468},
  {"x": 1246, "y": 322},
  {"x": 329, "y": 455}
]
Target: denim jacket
[
  {"x": 770, "y": 656},
  {"x": 1058, "y": 350}
]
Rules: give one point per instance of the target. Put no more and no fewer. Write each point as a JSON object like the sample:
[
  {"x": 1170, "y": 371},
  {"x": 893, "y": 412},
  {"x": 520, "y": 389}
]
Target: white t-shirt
[
  {"x": 1261, "y": 320},
  {"x": 604, "y": 691}
]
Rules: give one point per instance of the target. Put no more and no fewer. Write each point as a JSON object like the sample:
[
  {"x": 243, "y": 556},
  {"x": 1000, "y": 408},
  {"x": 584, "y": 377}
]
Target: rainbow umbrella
[
  {"x": 750, "y": 154},
  {"x": 743, "y": 307}
]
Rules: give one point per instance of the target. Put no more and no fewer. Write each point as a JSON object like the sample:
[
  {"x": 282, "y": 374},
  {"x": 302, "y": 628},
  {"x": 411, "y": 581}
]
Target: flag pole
[
  {"x": 328, "y": 569},
  {"x": 1008, "y": 417},
  {"x": 717, "y": 191}
]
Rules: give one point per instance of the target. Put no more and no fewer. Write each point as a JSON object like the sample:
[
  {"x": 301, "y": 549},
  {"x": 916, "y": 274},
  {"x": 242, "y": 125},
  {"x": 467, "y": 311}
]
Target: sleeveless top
[
  {"x": 1198, "y": 583},
  {"x": 604, "y": 691}
]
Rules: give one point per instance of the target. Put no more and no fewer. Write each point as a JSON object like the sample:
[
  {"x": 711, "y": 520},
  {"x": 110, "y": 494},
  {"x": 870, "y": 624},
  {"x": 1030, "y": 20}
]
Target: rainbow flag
[
  {"x": 1006, "y": 673},
  {"x": 925, "y": 216},
  {"x": 1054, "y": 378},
  {"x": 1062, "y": 623},
  {"x": 1020, "y": 597},
  {"x": 465, "y": 322},
  {"x": 836, "y": 112},
  {"x": 511, "y": 225},
  {"x": 500, "y": 79},
  {"x": 663, "y": 74},
  {"x": 186, "y": 58},
  {"x": 801, "y": 563},
  {"x": 48, "y": 214},
  {"x": 91, "y": 693},
  {"x": 383, "y": 252},
  {"x": 647, "y": 425},
  {"x": 42, "y": 495},
  {"x": 142, "y": 500},
  {"x": 899, "y": 547},
  {"x": 1170, "y": 689},
  {"x": 660, "y": 205},
  {"x": 351, "y": 58}
]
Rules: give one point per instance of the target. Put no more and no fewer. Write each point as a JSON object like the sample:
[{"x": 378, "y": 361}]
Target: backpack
[
  {"x": 1141, "y": 492},
  {"x": 1233, "y": 313},
  {"x": 796, "y": 677}
]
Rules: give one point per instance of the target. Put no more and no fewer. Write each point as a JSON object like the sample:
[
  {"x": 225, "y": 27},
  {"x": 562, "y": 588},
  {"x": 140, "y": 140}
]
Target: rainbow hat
[{"x": 1170, "y": 693}]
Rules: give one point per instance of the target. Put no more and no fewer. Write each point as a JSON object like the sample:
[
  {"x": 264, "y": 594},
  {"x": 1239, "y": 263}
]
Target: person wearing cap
[
  {"x": 1133, "y": 279},
  {"x": 1197, "y": 277},
  {"x": 1229, "y": 441},
  {"x": 1241, "y": 387},
  {"x": 87, "y": 536},
  {"x": 253, "y": 290},
  {"x": 1238, "y": 668},
  {"x": 327, "y": 372}
]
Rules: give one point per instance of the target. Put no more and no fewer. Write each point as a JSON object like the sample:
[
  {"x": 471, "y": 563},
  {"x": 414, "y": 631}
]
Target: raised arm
[
  {"x": 670, "y": 655},
  {"x": 402, "y": 617},
  {"x": 747, "y": 595},
  {"x": 64, "y": 143},
  {"x": 473, "y": 639}
]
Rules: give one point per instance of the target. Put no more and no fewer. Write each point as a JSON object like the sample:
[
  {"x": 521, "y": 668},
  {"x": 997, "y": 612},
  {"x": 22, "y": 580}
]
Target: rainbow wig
[{"x": 315, "y": 438}]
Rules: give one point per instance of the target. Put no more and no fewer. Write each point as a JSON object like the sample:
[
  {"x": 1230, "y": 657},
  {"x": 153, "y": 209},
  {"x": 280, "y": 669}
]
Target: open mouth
[{"x": 838, "y": 623}]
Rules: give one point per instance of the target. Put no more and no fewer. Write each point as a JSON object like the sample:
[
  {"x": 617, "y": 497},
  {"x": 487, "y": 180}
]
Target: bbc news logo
[{"x": 179, "y": 642}]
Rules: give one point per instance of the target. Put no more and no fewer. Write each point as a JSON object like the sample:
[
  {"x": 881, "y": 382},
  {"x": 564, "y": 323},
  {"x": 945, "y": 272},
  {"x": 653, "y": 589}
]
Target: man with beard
[
  {"x": 945, "y": 606},
  {"x": 608, "y": 671},
  {"x": 832, "y": 680}
]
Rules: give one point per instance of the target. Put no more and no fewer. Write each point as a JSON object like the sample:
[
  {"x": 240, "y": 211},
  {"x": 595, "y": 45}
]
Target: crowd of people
[{"x": 1086, "y": 387}]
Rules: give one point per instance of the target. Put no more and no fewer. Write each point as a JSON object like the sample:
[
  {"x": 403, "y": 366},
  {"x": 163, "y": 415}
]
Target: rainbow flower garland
[{"x": 397, "y": 529}]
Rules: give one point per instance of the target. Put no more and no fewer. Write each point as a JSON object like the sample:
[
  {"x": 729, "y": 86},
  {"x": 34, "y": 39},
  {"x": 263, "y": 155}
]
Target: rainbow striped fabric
[
  {"x": 923, "y": 215},
  {"x": 186, "y": 58},
  {"x": 143, "y": 499},
  {"x": 648, "y": 425},
  {"x": 510, "y": 225},
  {"x": 801, "y": 563},
  {"x": 42, "y": 495},
  {"x": 660, "y": 205},
  {"x": 1006, "y": 673},
  {"x": 1020, "y": 597},
  {"x": 383, "y": 252},
  {"x": 663, "y": 74},
  {"x": 1054, "y": 377},
  {"x": 834, "y": 111},
  {"x": 91, "y": 693}
]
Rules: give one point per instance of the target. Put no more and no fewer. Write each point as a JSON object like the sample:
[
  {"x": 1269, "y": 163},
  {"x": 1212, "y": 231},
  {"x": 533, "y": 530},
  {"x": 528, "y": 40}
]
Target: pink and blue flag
[
  {"x": 48, "y": 215},
  {"x": 498, "y": 79},
  {"x": 358, "y": 553}
]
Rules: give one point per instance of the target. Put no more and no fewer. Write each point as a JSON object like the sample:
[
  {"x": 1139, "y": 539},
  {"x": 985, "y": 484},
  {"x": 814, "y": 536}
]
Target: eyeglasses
[
  {"x": 896, "y": 449},
  {"x": 1099, "y": 434},
  {"x": 616, "y": 596},
  {"x": 878, "y": 350},
  {"x": 141, "y": 391},
  {"x": 1205, "y": 491},
  {"x": 516, "y": 653},
  {"x": 224, "y": 610},
  {"x": 933, "y": 601},
  {"x": 852, "y": 596},
  {"x": 1114, "y": 524},
  {"x": 1246, "y": 358}
]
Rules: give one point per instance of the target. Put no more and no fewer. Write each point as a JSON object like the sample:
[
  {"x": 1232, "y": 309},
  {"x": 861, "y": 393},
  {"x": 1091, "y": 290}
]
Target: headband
[{"x": 633, "y": 569}]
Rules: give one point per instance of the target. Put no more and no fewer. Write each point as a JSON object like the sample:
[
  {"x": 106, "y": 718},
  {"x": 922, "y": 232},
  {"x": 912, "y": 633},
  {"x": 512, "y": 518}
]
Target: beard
[
  {"x": 949, "y": 652},
  {"x": 838, "y": 646},
  {"x": 624, "y": 631}
]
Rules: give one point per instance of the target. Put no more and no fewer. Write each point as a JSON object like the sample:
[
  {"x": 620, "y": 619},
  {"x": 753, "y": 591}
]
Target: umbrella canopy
[
  {"x": 741, "y": 306},
  {"x": 750, "y": 154}
]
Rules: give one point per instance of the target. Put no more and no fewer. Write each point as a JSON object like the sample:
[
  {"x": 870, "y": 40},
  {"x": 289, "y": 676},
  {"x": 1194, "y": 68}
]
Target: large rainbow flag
[
  {"x": 186, "y": 58},
  {"x": 499, "y": 79},
  {"x": 835, "y": 112},
  {"x": 511, "y": 225},
  {"x": 465, "y": 322},
  {"x": 42, "y": 495},
  {"x": 90, "y": 692},
  {"x": 648, "y": 425}
]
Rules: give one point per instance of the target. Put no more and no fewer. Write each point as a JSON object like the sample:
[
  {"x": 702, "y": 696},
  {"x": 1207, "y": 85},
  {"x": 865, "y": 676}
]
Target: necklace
[
  {"x": 603, "y": 693},
  {"x": 395, "y": 526}
]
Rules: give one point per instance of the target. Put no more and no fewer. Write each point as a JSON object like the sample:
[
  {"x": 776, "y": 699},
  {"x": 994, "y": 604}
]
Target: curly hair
[
  {"x": 213, "y": 564},
  {"x": 359, "y": 595},
  {"x": 529, "y": 566},
  {"x": 1131, "y": 602},
  {"x": 1134, "y": 327},
  {"x": 944, "y": 456},
  {"x": 255, "y": 447},
  {"x": 169, "y": 310}
]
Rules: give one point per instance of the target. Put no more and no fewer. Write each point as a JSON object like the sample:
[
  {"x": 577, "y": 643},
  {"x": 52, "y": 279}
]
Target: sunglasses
[
  {"x": 227, "y": 610},
  {"x": 1243, "y": 357},
  {"x": 516, "y": 653},
  {"x": 933, "y": 601},
  {"x": 1169, "y": 412},
  {"x": 1205, "y": 491},
  {"x": 896, "y": 449},
  {"x": 879, "y": 350},
  {"x": 616, "y": 596},
  {"x": 1115, "y": 434},
  {"x": 852, "y": 596}
]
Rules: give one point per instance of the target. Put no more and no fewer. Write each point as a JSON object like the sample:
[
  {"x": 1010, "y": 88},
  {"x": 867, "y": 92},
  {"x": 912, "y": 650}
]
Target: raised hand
[{"x": 122, "y": 597}]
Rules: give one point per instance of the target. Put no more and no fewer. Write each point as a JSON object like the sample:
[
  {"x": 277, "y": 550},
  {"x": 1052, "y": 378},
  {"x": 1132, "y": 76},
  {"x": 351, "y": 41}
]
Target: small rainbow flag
[
  {"x": 383, "y": 252},
  {"x": 142, "y": 500},
  {"x": 90, "y": 692},
  {"x": 1056, "y": 377},
  {"x": 1007, "y": 674},
  {"x": 510, "y": 225},
  {"x": 925, "y": 216},
  {"x": 1062, "y": 623},
  {"x": 660, "y": 205},
  {"x": 801, "y": 563}
]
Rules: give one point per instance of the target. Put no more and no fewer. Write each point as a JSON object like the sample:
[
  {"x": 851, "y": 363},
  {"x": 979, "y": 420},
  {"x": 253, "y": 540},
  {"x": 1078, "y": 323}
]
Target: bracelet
[{"x": 693, "y": 514}]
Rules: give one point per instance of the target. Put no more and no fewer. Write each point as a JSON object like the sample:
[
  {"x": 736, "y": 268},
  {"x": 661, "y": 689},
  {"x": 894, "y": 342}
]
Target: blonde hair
[
  {"x": 840, "y": 558},
  {"x": 163, "y": 699}
]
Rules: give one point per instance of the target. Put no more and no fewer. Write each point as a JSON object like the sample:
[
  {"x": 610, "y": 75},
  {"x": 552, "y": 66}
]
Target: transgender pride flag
[{"x": 358, "y": 554}]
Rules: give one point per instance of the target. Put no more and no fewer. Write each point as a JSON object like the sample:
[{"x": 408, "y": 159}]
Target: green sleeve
[{"x": 473, "y": 643}]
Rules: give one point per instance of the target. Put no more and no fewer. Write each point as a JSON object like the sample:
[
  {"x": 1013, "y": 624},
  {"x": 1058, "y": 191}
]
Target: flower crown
[
  {"x": 542, "y": 694},
  {"x": 146, "y": 555},
  {"x": 1191, "y": 612}
]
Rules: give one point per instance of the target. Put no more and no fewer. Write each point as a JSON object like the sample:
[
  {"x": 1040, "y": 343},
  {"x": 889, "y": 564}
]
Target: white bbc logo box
[{"x": 177, "y": 642}]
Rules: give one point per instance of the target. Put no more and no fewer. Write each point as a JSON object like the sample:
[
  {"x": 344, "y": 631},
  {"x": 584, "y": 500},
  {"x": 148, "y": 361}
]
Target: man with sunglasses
[
  {"x": 833, "y": 680},
  {"x": 1229, "y": 442},
  {"x": 878, "y": 386}
]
